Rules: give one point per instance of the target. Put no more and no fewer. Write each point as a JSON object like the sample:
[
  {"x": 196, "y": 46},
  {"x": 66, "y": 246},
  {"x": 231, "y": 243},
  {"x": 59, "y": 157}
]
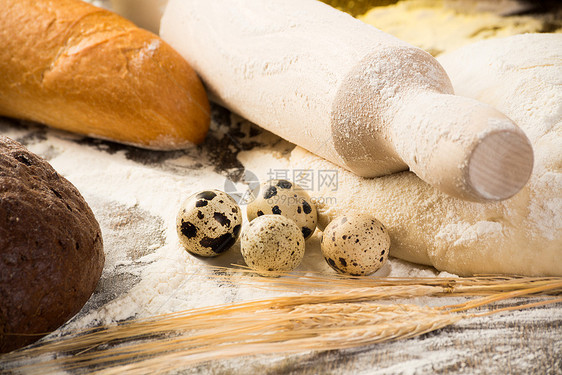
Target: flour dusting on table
[{"x": 135, "y": 195}]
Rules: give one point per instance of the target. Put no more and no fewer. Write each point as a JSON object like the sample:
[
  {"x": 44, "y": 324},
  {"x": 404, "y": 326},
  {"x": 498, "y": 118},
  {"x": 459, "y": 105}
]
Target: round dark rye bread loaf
[{"x": 51, "y": 251}]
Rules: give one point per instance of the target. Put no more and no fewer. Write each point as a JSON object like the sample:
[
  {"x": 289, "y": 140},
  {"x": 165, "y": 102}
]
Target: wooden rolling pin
[{"x": 349, "y": 93}]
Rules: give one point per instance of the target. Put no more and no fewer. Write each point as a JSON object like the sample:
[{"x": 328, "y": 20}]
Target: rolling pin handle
[{"x": 470, "y": 150}]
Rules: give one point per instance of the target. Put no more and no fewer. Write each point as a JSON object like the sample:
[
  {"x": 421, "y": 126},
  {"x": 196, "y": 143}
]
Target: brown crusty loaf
[
  {"x": 77, "y": 67},
  {"x": 51, "y": 252}
]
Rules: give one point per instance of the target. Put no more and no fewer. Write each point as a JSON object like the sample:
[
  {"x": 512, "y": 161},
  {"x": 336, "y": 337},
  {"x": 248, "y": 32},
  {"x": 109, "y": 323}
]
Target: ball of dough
[
  {"x": 209, "y": 223},
  {"x": 51, "y": 251},
  {"x": 272, "y": 243},
  {"x": 282, "y": 197},
  {"x": 356, "y": 244},
  {"x": 522, "y": 235}
]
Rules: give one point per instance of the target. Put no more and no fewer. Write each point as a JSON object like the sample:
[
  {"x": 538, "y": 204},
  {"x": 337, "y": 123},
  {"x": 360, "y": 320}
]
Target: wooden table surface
[
  {"x": 519, "y": 342},
  {"x": 137, "y": 241}
]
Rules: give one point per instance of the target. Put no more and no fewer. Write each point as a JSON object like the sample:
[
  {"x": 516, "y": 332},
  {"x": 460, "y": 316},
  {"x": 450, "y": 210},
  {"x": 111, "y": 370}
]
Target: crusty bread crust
[
  {"x": 51, "y": 249},
  {"x": 80, "y": 68}
]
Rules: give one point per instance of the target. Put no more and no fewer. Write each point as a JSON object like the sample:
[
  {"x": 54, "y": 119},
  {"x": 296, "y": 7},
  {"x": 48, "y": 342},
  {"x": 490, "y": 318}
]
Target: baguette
[{"x": 77, "y": 67}]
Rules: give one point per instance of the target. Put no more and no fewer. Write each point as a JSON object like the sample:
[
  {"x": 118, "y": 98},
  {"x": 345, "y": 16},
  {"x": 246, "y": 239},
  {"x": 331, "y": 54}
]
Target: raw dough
[{"x": 520, "y": 76}]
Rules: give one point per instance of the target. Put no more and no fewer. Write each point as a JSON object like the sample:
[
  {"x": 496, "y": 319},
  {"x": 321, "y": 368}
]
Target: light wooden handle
[
  {"x": 467, "y": 149},
  {"x": 347, "y": 92},
  {"x": 500, "y": 165}
]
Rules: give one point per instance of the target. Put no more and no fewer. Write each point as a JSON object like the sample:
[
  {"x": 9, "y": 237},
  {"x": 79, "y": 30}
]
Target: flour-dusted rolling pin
[{"x": 348, "y": 92}]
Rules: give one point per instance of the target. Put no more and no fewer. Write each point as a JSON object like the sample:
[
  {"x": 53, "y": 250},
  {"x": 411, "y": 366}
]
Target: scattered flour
[
  {"x": 162, "y": 277},
  {"x": 437, "y": 27},
  {"x": 464, "y": 232},
  {"x": 520, "y": 76}
]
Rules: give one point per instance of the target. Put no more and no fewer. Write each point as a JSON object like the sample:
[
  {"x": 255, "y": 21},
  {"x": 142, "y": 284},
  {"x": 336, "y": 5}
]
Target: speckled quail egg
[
  {"x": 282, "y": 197},
  {"x": 209, "y": 223},
  {"x": 355, "y": 244},
  {"x": 272, "y": 243}
]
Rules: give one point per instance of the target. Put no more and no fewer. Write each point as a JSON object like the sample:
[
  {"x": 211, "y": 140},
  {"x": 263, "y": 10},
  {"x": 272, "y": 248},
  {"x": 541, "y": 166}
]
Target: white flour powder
[{"x": 147, "y": 272}]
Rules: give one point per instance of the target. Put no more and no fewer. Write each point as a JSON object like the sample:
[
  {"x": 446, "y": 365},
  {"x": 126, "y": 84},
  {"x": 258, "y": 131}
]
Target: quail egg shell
[
  {"x": 208, "y": 223},
  {"x": 355, "y": 244},
  {"x": 282, "y": 197},
  {"x": 272, "y": 243}
]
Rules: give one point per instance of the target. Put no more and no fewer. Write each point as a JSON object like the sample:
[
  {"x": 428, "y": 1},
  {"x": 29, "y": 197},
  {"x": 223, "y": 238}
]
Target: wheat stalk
[
  {"x": 472, "y": 286},
  {"x": 311, "y": 333},
  {"x": 309, "y": 327},
  {"x": 322, "y": 320}
]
